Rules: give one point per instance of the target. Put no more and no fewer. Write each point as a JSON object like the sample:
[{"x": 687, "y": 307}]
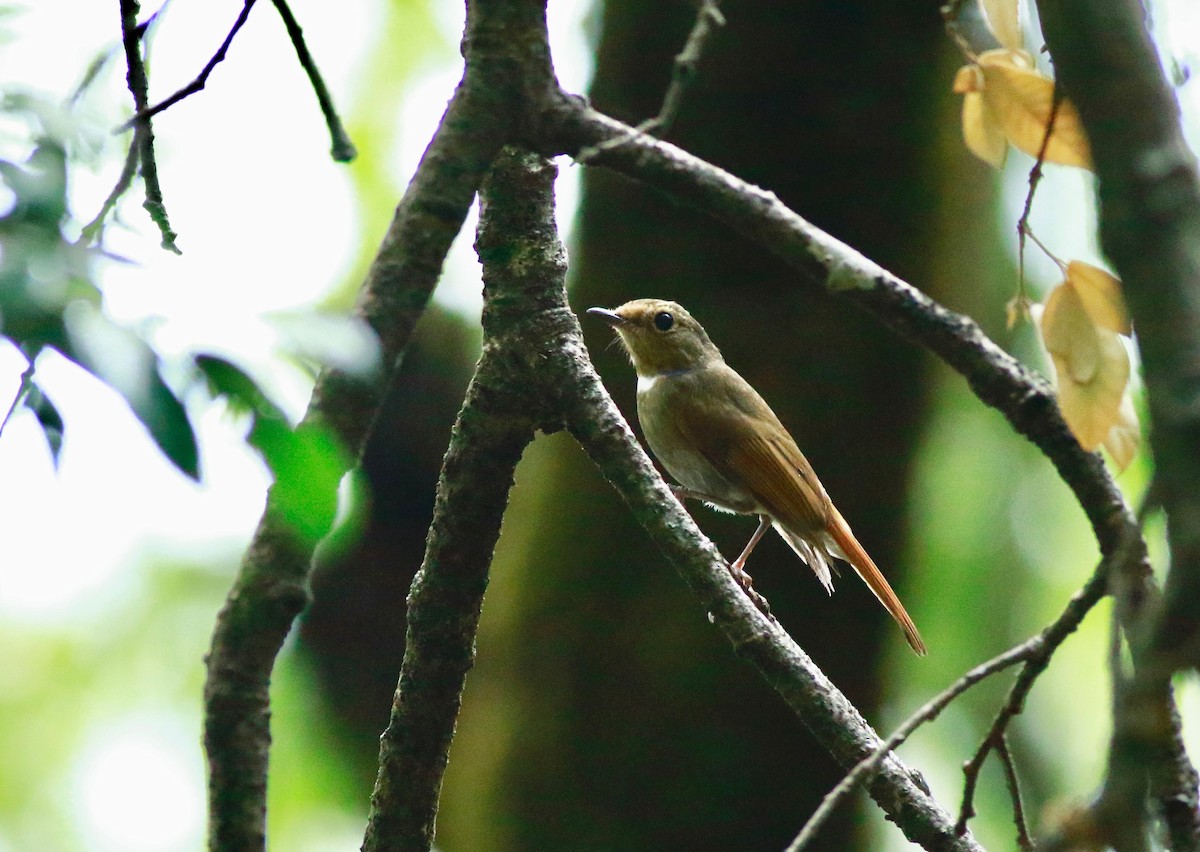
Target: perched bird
[{"x": 723, "y": 443}]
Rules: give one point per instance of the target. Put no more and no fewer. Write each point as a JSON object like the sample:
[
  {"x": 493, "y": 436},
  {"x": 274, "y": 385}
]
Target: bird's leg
[
  {"x": 764, "y": 524},
  {"x": 736, "y": 567}
]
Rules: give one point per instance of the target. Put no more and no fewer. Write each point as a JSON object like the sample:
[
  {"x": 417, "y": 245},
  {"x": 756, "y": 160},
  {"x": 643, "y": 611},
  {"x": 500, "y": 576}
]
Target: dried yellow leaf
[
  {"x": 1091, "y": 364},
  {"x": 982, "y": 134},
  {"x": 1101, "y": 295},
  {"x": 1014, "y": 101},
  {"x": 1125, "y": 435},
  {"x": 1004, "y": 21}
]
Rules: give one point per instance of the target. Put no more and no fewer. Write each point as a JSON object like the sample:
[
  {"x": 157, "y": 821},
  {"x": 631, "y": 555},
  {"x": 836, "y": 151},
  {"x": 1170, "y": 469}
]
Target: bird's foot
[{"x": 746, "y": 583}]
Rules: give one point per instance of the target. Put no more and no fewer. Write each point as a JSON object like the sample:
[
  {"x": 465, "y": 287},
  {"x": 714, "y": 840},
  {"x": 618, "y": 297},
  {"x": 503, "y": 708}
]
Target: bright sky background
[{"x": 267, "y": 224}]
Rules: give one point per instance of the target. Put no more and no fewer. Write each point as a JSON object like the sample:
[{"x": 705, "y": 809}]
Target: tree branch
[
  {"x": 342, "y": 149},
  {"x": 131, "y": 39},
  {"x": 271, "y": 586},
  {"x": 145, "y": 112},
  {"x": 1025, "y": 399},
  {"x": 1149, "y": 195},
  {"x": 596, "y": 423},
  {"x": 444, "y": 604}
]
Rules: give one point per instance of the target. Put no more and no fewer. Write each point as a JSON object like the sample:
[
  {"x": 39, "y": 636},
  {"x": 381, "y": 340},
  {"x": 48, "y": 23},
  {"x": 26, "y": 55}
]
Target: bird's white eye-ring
[{"x": 663, "y": 321}]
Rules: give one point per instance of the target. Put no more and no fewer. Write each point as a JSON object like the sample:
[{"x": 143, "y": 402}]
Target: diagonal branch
[
  {"x": 342, "y": 149},
  {"x": 524, "y": 269},
  {"x": 998, "y": 379},
  {"x": 443, "y": 608},
  {"x": 900, "y": 791}
]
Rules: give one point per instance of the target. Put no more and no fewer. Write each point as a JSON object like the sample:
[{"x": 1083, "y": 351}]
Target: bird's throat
[{"x": 646, "y": 383}]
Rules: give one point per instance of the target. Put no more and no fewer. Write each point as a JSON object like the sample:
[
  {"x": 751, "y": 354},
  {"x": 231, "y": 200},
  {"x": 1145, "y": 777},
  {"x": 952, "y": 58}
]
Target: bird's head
[{"x": 660, "y": 336}]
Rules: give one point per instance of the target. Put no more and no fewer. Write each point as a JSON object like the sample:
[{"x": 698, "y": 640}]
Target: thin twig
[
  {"x": 92, "y": 230},
  {"x": 1019, "y": 306},
  {"x": 143, "y": 134},
  {"x": 144, "y": 112},
  {"x": 950, "y": 13},
  {"x": 1066, "y": 624},
  {"x": 1014, "y": 792},
  {"x": 1041, "y": 646},
  {"x": 343, "y": 150},
  {"x": 683, "y": 74},
  {"x": 866, "y": 768}
]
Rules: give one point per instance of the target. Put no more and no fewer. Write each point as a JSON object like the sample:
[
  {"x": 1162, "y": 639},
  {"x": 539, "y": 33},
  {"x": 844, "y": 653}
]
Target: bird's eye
[{"x": 663, "y": 321}]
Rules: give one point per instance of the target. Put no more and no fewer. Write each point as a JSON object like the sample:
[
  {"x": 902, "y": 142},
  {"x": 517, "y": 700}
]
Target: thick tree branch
[
  {"x": 525, "y": 314},
  {"x": 444, "y": 603},
  {"x": 998, "y": 379},
  {"x": 1149, "y": 196},
  {"x": 271, "y": 586}
]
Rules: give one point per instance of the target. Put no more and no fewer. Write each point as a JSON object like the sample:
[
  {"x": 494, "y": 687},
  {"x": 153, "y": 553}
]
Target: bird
[{"x": 724, "y": 445}]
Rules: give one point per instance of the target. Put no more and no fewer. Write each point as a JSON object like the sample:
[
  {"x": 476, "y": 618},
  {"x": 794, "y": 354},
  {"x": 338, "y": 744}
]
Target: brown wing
[
  {"x": 747, "y": 445},
  {"x": 740, "y": 436}
]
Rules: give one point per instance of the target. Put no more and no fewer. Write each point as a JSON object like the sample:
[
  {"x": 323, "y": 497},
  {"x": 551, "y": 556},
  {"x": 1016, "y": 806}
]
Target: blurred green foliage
[{"x": 48, "y": 297}]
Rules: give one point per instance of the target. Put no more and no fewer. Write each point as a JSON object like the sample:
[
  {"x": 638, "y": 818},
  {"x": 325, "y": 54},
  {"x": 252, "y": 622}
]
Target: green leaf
[
  {"x": 308, "y": 463},
  {"x": 48, "y": 418},
  {"x": 226, "y": 379},
  {"x": 124, "y": 361}
]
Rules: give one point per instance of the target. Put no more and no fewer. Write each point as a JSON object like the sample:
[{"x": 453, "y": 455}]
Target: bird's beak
[{"x": 611, "y": 317}]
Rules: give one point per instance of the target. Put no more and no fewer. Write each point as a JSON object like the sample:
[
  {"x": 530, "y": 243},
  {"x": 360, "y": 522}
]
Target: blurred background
[{"x": 604, "y": 711}]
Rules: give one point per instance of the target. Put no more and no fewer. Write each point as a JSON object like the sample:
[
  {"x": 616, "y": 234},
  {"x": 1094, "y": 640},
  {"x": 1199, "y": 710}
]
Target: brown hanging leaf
[
  {"x": 983, "y": 135},
  {"x": 1101, "y": 295},
  {"x": 1125, "y": 435},
  {"x": 1006, "y": 97},
  {"x": 1090, "y": 362},
  {"x": 1004, "y": 21}
]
